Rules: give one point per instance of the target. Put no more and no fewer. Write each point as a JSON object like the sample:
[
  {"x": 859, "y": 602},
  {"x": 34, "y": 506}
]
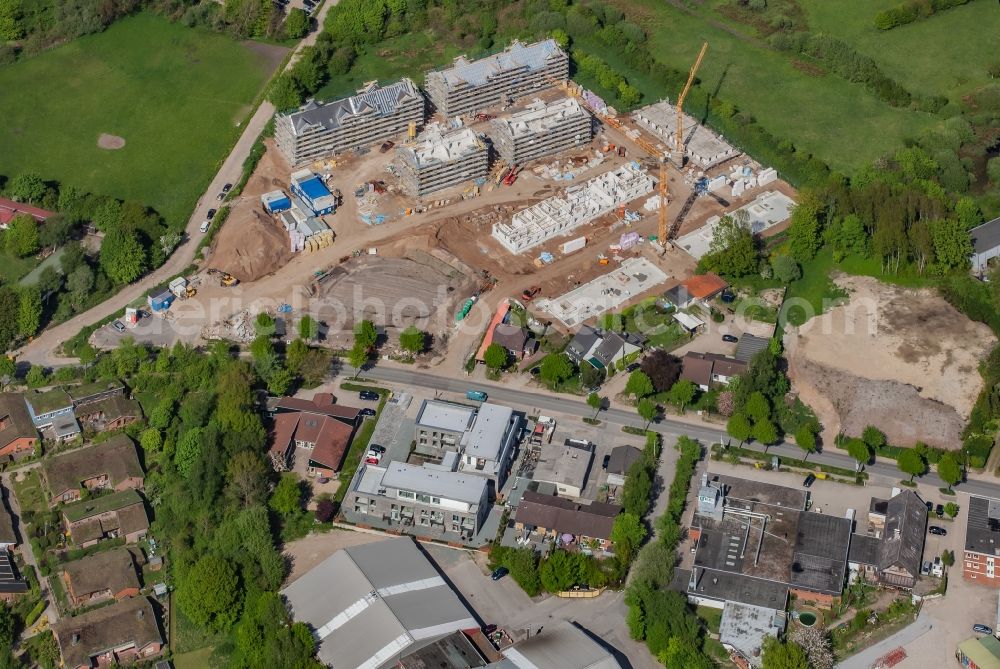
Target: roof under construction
[
  {"x": 330, "y": 115},
  {"x": 478, "y": 72},
  {"x": 436, "y": 146}
]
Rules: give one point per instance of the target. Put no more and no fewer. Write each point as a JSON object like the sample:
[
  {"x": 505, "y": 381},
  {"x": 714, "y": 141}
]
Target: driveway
[{"x": 42, "y": 350}]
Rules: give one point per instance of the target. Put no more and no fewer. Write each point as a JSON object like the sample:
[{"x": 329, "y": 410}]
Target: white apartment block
[
  {"x": 702, "y": 146},
  {"x": 442, "y": 158},
  {"x": 321, "y": 129},
  {"x": 541, "y": 130},
  {"x": 561, "y": 214},
  {"x": 469, "y": 86}
]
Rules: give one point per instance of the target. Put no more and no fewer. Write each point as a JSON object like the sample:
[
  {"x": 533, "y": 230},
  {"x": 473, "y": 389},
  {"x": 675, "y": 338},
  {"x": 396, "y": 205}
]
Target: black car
[
  {"x": 367, "y": 411},
  {"x": 604, "y": 463},
  {"x": 930, "y": 506},
  {"x": 368, "y": 395},
  {"x": 809, "y": 480},
  {"x": 939, "y": 510},
  {"x": 377, "y": 448},
  {"x": 730, "y": 338},
  {"x": 227, "y": 188},
  {"x": 499, "y": 573},
  {"x": 211, "y": 214},
  {"x": 727, "y": 296},
  {"x": 631, "y": 368},
  {"x": 940, "y": 531}
]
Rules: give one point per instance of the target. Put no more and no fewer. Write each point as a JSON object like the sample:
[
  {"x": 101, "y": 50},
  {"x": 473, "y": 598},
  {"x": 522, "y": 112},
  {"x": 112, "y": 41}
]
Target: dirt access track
[{"x": 903, "y": 360}]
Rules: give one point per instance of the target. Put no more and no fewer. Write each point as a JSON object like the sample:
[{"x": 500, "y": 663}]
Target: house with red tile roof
[
  {"x": 698, "y": 288},
  {"x": 322, "y": 428},
  {"x": 9, "y": 209}
]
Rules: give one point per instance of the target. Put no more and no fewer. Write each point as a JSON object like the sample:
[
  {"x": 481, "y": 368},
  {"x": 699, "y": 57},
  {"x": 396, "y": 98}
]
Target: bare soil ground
[
  {"x": 312, "y": 549},
  {"x": 901, "y": 359},
  {"x": 110, "y": 142}
]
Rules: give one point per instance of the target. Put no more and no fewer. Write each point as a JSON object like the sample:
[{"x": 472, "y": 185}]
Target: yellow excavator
[{"x": 225, "y": 279}]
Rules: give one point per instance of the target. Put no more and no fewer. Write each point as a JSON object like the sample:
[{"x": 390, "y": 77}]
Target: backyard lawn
[{"x": 175, "y": 95}]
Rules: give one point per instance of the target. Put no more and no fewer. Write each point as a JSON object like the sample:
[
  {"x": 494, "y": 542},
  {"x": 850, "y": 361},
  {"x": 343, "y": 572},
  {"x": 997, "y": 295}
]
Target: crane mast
[{"x": 678, "y": 156}]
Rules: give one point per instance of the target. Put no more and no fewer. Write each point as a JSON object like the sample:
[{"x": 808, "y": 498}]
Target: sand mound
[
  {"x": 110, "y": 142},
  {"x": 250, "y": 248}
]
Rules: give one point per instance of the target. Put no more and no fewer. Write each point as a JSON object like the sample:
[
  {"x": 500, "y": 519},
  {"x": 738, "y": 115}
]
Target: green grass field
[
  {"x": 825, "y": 115},
  {"x": 942, "y": 55},
  {"x": 175, "y": 94}
]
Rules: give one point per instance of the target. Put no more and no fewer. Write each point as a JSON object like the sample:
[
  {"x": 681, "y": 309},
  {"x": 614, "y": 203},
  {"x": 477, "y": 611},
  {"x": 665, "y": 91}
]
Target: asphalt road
[
  {"x": 541, "y": 402},
  {"x": 42, "y": 349}
]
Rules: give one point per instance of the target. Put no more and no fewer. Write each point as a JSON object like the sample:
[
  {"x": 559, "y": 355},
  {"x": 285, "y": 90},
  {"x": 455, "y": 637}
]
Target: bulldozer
[{"x": 225, "y": 279}]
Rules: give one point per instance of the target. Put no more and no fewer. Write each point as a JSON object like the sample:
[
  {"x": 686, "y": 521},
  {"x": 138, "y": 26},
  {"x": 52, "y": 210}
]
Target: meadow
[{"x": 175, "y": 95}]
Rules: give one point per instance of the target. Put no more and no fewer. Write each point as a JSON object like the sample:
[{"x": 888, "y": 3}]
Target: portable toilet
[{"x": 160, "y": 299}]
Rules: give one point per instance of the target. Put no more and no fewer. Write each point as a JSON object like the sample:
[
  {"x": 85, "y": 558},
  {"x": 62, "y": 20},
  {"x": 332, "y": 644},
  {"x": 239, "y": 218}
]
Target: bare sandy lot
[
  {"x": 110, "y": 142},
  {"x": 902, "y": 359},
  {"x": 309, "y": 551}
]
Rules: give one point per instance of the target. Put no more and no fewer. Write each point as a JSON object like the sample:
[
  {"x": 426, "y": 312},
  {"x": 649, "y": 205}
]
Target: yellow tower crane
[{"x": 678, "y": 156}]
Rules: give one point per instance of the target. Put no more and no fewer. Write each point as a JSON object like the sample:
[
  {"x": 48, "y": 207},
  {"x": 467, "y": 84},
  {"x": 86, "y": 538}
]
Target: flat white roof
[
  {"x": 438, "y": 415},
  {"x": 486, "y": 438},
  {"x": 767, "y": 210},
  {"x": 634, "y": 277},
  {"x": 688, "y": 321},
  {"x": 539, "y": 117},
  {"x": 455, "y": 486}
]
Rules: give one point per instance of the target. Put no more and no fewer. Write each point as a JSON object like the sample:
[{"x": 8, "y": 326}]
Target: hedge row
[{"x": 908, "y": 12}]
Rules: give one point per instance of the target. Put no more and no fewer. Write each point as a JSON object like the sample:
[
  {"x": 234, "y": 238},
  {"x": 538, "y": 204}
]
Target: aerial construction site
[{"x": 500, "y": 176}]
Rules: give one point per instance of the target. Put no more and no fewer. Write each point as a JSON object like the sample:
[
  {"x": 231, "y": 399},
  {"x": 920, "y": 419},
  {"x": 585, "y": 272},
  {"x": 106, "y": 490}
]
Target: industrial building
[
  {"x": 376, "y": 113},
  {"x": 541, "y": 130},
  {"x": 468, "y": 86},
  {"x": 442, "y": 158},
  {"x": 701, "y": 146},
  {"x": 561, "y": 214}
]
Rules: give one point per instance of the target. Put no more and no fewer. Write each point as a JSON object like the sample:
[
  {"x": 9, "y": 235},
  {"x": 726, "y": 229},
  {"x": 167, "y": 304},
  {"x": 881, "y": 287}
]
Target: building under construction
[
  {"x": 541, "y": 130},
  {"x": 375, "y": 114},
  {"x": 702, "y": 146},
  {"x": 441, "y": 158},
  {"x": 470, "y": 86},
  {"x": 562, "y": 214}
]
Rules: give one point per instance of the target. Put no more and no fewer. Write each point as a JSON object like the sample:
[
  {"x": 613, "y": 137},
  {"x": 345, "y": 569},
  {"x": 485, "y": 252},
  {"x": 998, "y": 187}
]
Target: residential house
[
  {"x": 566, "y": 468},
  {"x": 87, "y": 393},
  {"x": 120, "y": 514},
  {"x": 8, "y": 538},
  {"x": 320, "y": 427},
  {"x": 478, "y": 440},
  {"x": 750, "y": 345},
  {"x": 985, "y": 245},
  {"x": 123, "y": 633},
  {"x": 891, "y": 551},
  {"x": 109, "y": 465},
  {"x": 430, "y": 501},
  {"x": 12, "y": 585},
  {"x": 698, "y": 288},
  {"x": 52, "y": 413},
  {"x": 17, "y": 431},
  {"x": 105, "y": 575},
  {"x": 371, "y": 605},
  {"x": 515, "y": 339},
  {"x": 550, "y": 517},
  {"x": 706, "y": 369},
  {"x": 9, "y": 209},
  {"x": 602, "y": 348},
  {"x": 982, "y": 542},
  {"x": 622, "y": 459},
  {"x": 110, "y": 413}
]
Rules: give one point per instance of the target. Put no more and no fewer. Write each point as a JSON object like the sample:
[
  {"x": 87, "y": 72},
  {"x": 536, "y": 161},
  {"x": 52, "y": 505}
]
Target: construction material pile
[{"x": 238, "y": 328}]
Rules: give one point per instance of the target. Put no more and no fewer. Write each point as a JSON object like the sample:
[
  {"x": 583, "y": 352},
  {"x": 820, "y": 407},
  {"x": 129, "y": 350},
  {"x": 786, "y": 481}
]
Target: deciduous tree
[
  {"x": 555, "y": 369},
  {"x": 911, "y": 462},
  {"x": 805, "y": 438},
  {"x": 209, "y": 593},
  {"x": 627, "y": 534},
  {"x": 594, "y": 401},
  {"x": 949, "y": 470},
  {"x": 738, "y": 427},
  {"x": 287, "y": 496},
  {"x": 765, "y": 432},
  {"x": 648, "y": 410},
  {"x": 681, "y": 394},
  {"x": 662, "y": 368},
  {"x": 21, "y": 237},
  {"x": 874, "y": 437},
  {"x": 859, "y": 450},
  {"x": 638, "y": 385},
  {"x": 414, "y": 340},
  {"x": 365, "y": 334},
  {"x": 787, "y": 655},
  {"x": 122, "y": 258},
  {"x": 357, "y": 358},
  {"x": 296, "y": 23},
  {"x": 308, "y": 327},
  {"x": 29, "y": 312},
  {"x": 26, "y": 187},
  {"x": 496, "y": 357}
]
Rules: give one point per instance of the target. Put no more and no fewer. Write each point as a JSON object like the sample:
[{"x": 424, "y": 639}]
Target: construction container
[
  {"x": 275, "y": 201},
  {"x": 628, "y": 240},
  {"x": 178, "y": 286},
  {"x": 160, "y": 299},
  {"x": 572, "y": 245}
]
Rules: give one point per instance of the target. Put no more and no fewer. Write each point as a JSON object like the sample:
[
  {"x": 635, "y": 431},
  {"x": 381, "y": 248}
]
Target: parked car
[
  {"x": 499, "y": 573},
  {"x": 386, "y": 145},
  {"x": 604, "y": 463},
  {"x": 810, "y": 479},
  {"x": 631, "y": 368},
  {"x": 211, "y": 214},
  {"x": 367, "y": 411},
  {"x": 119, "y": 326},
  {"x": 730, "y": 338},
  {"x": 204, "y": 226},
  {"x": 368, "y": 395},
  {"x": 930, "y": 506},
  {"x": 489, "y": 629},
  {"x": 373, "y": 457},
  {"x": 982, "y": 629},
  {"x": 225, "y": 191},
  {"x": 377, "y": 448},
  {"x": 475, "y": 395},
  {"x": 939, "y": 510},
  {"x": 940, "y": 531},
  {"x": 727, "y": 296},
  {"x": 925, "y": 569},
  {"x": 937, "y": 569}
]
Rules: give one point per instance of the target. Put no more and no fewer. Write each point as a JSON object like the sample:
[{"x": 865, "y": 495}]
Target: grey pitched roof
[
  {"x": 903, "y": 538},
  {"x": 478, "y": 72},
  {"x": 129, "y": 621},
  {"x": 582, "y": 342},
  {"x": 382, "y": 100},
  {"x": 986, "y": 236},
  {"x": 982, "y": 529},
  {"x": 622, "y": 458},
  {"x": 864, "y": 549},
  {"x": 749, "y": 346}
]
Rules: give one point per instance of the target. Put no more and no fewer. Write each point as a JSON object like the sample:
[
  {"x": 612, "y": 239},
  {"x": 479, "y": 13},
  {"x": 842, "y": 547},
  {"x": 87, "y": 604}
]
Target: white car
[{"x": 204, "y": 226}]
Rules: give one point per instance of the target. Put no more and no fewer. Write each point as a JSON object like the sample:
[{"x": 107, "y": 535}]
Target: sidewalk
[{"x": 866, "y": 658}]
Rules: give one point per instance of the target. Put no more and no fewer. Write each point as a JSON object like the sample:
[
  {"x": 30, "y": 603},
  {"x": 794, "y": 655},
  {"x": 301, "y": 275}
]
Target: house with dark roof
[
  {"x": 890, "y": 553},
  {"x": 120, "y": 514},
  {"x": 622, "y": 459},
  {"x": 52, "y": 413},
  {"x": 109, "y": 465},
  {"x": 17, "y": 432},
  {"x": 319, "y": 427},
  {"x": 106, "y": 575},
  {"x": 12, "y": 585},
  {"x": 8, "y": 538},
  {"x": 552, "y": 518},
  {"x": 750, "y": 345},
  {"x": 985, "y": 244},
  {"x": 602, "y": 348},
  {"x": 123, "y": 633},
  {"x": 109, "y": 413},
  {"x": 514, "y": 338},
  {"x": 982, "y": 542},
  {"x": 9, "y": 209},
  {"x": 708, "y": 369}
]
